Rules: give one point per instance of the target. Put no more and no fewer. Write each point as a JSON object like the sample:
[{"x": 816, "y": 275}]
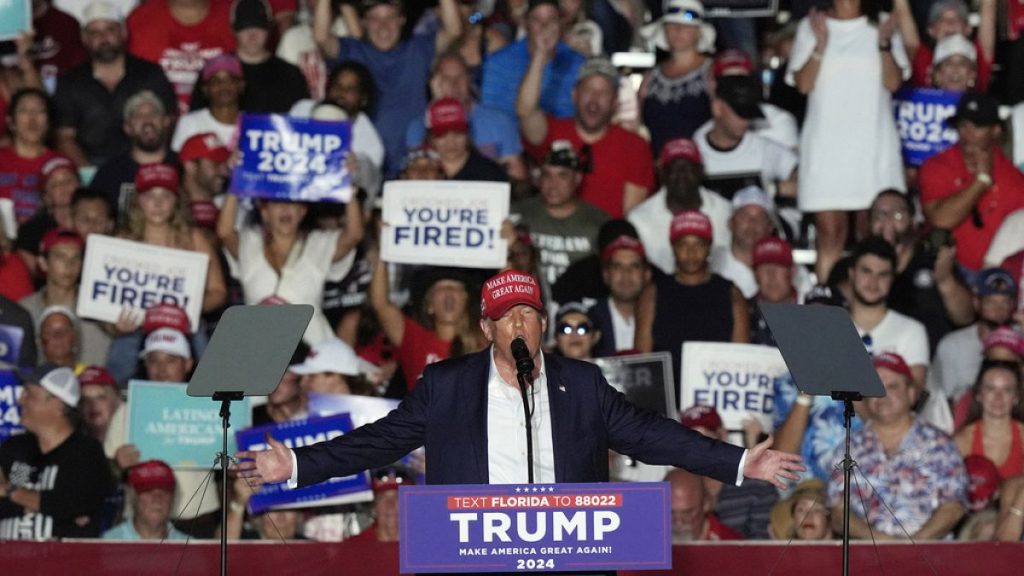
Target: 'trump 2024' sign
[{"x": 538, "y": 527}]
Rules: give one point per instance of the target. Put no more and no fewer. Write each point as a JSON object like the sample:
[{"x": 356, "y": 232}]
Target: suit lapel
[
  {"x": 475, "y": 410},
  {"x": 561, "y": 413}
]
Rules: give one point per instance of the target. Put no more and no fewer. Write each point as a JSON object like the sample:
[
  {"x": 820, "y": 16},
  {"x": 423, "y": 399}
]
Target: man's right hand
[{"x": 271, "y": 465}]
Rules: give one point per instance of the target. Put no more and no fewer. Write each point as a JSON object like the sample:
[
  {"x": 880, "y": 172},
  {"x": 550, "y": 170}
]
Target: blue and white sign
[
  {"x": 921, "y": 115},
  {"x": 11, "y": 338},
  {"x": 296, "y": 434},
  {"x": 10, "y": 413},
  {"x": 445, "y": 223},
  {"x": 287, "y": 158},
  {"x": 736, "y": 379},
  {"x": 165, "y": 423},
  {"x": 536, "y": 528},
  {"x": 119, "y": 274},
  {"x": 15, "y": 17}
]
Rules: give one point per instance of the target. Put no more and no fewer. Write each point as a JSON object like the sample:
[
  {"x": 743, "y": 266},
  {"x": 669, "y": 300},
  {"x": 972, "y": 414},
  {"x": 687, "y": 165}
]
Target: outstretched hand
[
  {"x": 266, "y": 466},
  {"x": 772, "y": 465}
]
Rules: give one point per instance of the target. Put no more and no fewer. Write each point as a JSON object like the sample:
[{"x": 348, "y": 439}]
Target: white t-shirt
[
  {"x": 849, "y": 147},
  {"x": 957, "y": 360},
  {"x": 779, "y": 126},
  {"x": 302, "y": 278},
  {"x": 1009, "y": 240},
  {"x": 625, "y": 328},
  {"x": 754, "y": 161},
  {"x": 899, "y": 334},
  {"x": 202, "y": 121},
  {"x": 652, "y": 220}
]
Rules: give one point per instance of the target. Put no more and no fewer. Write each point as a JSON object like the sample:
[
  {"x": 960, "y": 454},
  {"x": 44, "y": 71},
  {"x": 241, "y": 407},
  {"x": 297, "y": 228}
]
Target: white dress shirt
[{"x": 506, "y": 430}]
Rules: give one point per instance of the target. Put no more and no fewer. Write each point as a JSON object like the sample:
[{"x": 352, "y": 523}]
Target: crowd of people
[{"x": 654, "y": 206}]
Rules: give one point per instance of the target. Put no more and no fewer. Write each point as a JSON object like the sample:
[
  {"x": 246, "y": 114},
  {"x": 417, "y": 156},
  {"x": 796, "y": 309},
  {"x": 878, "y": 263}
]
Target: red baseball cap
[
  {"x": 151, "y": 475},
  {"x": 446, "y": 115},
  {"x": 983, "y": 481},
  {"x": 1007, "y": 338},
  {"x": 732, "y": 62},
  {"x": 166, "y": 316},
  {"x": 893, "y": 361},
  {"x": 152, "y": 176},
  {"x": 680, "y": 148},
  {"x": 56, "y": 236},
  {"x": 623, "y": 242},
  {"x": 96, "y": 376},
  {"x": 772, "y": 250},
  {"x": 507, "y": 289},
  {"x": 53, "y": 165},
  {"x": 391, "y": 479},
  {"x": 222, "y": 63},
  {"x": 204, "y": 213},
  {"x": 690, "y": 222},
  {"x": 701, "y": 417},
  {"x": 205, "y": 145}
]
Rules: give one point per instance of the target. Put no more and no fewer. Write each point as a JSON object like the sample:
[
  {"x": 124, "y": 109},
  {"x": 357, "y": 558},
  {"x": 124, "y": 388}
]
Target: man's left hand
[{"x": 771, "y": 465}]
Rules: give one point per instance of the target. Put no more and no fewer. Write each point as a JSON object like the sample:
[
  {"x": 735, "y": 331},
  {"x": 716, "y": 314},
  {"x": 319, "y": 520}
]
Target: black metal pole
[
  {"x": 225, "y": 415},
  {"x": 847, "y": 471},
  {"x": 529, "y": 426}
]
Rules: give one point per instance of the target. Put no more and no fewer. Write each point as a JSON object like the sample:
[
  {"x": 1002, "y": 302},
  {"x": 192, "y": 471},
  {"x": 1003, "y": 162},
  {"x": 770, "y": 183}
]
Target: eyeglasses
[
  {"x": 686, "y": 14},
  {"x": 568, "y": 329}
]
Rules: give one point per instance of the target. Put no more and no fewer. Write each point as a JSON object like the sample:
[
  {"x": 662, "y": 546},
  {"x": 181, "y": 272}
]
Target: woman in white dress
[{"x": 848, "y": 65}]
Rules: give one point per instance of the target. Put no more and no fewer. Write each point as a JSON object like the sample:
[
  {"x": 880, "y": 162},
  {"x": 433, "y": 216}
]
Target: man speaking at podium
[{"x": 468, "y": 413}]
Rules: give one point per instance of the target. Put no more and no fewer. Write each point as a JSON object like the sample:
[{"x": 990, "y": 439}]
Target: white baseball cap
[
  {"x": 57, "y": 380},
  {"x": 101, "y": 10},
  {"x": 954, "y": 45},
  {"x": 331, "y": 355},
  {"x": 753, "y": 196},
  {"x": 167, "y": 340}
]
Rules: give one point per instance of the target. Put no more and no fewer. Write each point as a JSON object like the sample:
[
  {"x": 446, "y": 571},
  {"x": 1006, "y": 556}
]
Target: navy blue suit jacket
[{"x": 447, "y": 413}]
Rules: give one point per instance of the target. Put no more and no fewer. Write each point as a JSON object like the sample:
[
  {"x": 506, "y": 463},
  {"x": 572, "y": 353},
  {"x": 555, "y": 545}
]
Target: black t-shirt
[
  {"x": 915, "y": 294},
  {"x": 480, "y": 167},
  {"x": 97, "y": 114},
  {"x": 30, "y": 234},
  {"x": 272, "y": 87},
  {"x": 73, "y": 480}
]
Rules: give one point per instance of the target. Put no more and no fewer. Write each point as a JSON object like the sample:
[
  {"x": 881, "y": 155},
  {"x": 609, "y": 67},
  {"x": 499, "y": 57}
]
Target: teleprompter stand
[
  {"x": 826, "y": 357},
  {"x": 247, "y": 356}
]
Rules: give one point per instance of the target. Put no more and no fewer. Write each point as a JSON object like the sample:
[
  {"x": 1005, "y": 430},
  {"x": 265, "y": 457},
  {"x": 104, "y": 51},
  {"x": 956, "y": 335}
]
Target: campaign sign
[
  {"x": 737, "y": 379},
  {"x": 295, "y": 434},
  {"x": 119, "y": 274},
  {"x": 289, "y": 158},
  {"x": 10, "y": 414},
  {"x": 921, "y": 115},
  {"x": 645, "y": 379},
  {"x": 536, "y": 527},
  {"x": 445, "y": 223},
  {"x": 165, "y": 423},
  {"x": 362, "y": 409},
  {"x": 15, "y": 17},
  {"x": 11, "y": 338}
]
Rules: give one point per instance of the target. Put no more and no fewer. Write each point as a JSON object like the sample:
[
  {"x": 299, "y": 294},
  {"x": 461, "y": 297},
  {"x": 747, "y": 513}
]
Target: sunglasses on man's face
[{"x": 569, "y": 329}]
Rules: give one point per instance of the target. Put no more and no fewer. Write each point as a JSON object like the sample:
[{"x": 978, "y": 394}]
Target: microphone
[{"x": 521, "y": 354}]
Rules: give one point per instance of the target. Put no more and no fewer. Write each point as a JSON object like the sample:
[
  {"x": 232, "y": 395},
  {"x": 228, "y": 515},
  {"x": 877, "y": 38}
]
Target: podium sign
[{"x": 537, "y": 527}]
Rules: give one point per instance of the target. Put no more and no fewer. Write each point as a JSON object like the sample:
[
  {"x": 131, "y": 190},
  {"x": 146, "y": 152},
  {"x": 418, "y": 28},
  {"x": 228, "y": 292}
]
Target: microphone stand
[{"x": 521, "y": 376}]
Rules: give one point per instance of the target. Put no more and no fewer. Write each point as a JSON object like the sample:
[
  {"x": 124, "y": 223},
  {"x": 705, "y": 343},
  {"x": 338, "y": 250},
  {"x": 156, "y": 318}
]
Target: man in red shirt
[
  {"x": 692, "y": 519},
  {"x": 181, "y": 35},
  {"x": 618, "y": 170},
  {"x": 971, "y": 187}
]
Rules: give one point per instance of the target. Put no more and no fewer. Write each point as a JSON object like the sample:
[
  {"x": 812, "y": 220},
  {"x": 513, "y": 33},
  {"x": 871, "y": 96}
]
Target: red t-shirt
[
  {"x": 57, "y": 42},
  {"x": 921, "y": 75},
  {"x": 19, "y": 181},
  {"x": 719, "y": 531},
  {"x": 620, "y": 156},
  {"x": 419, "y": 348},
  {"x": 945, "y": 174},
  {"x": 154, "y": 35},
  {"x": 15, "y": 280}
]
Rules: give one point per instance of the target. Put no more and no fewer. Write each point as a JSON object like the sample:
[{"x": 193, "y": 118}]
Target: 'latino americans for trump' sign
[
  {"x": 536, "y": 527},
  {"x": 921, "y": 116},
  {"x": 289, "y": 158},
  {"x": 296, "y": 434},
  {"x": 119, "y": 274},
  {"x": 736, "y": 379},
  {"x": 445, "y": 223}
]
